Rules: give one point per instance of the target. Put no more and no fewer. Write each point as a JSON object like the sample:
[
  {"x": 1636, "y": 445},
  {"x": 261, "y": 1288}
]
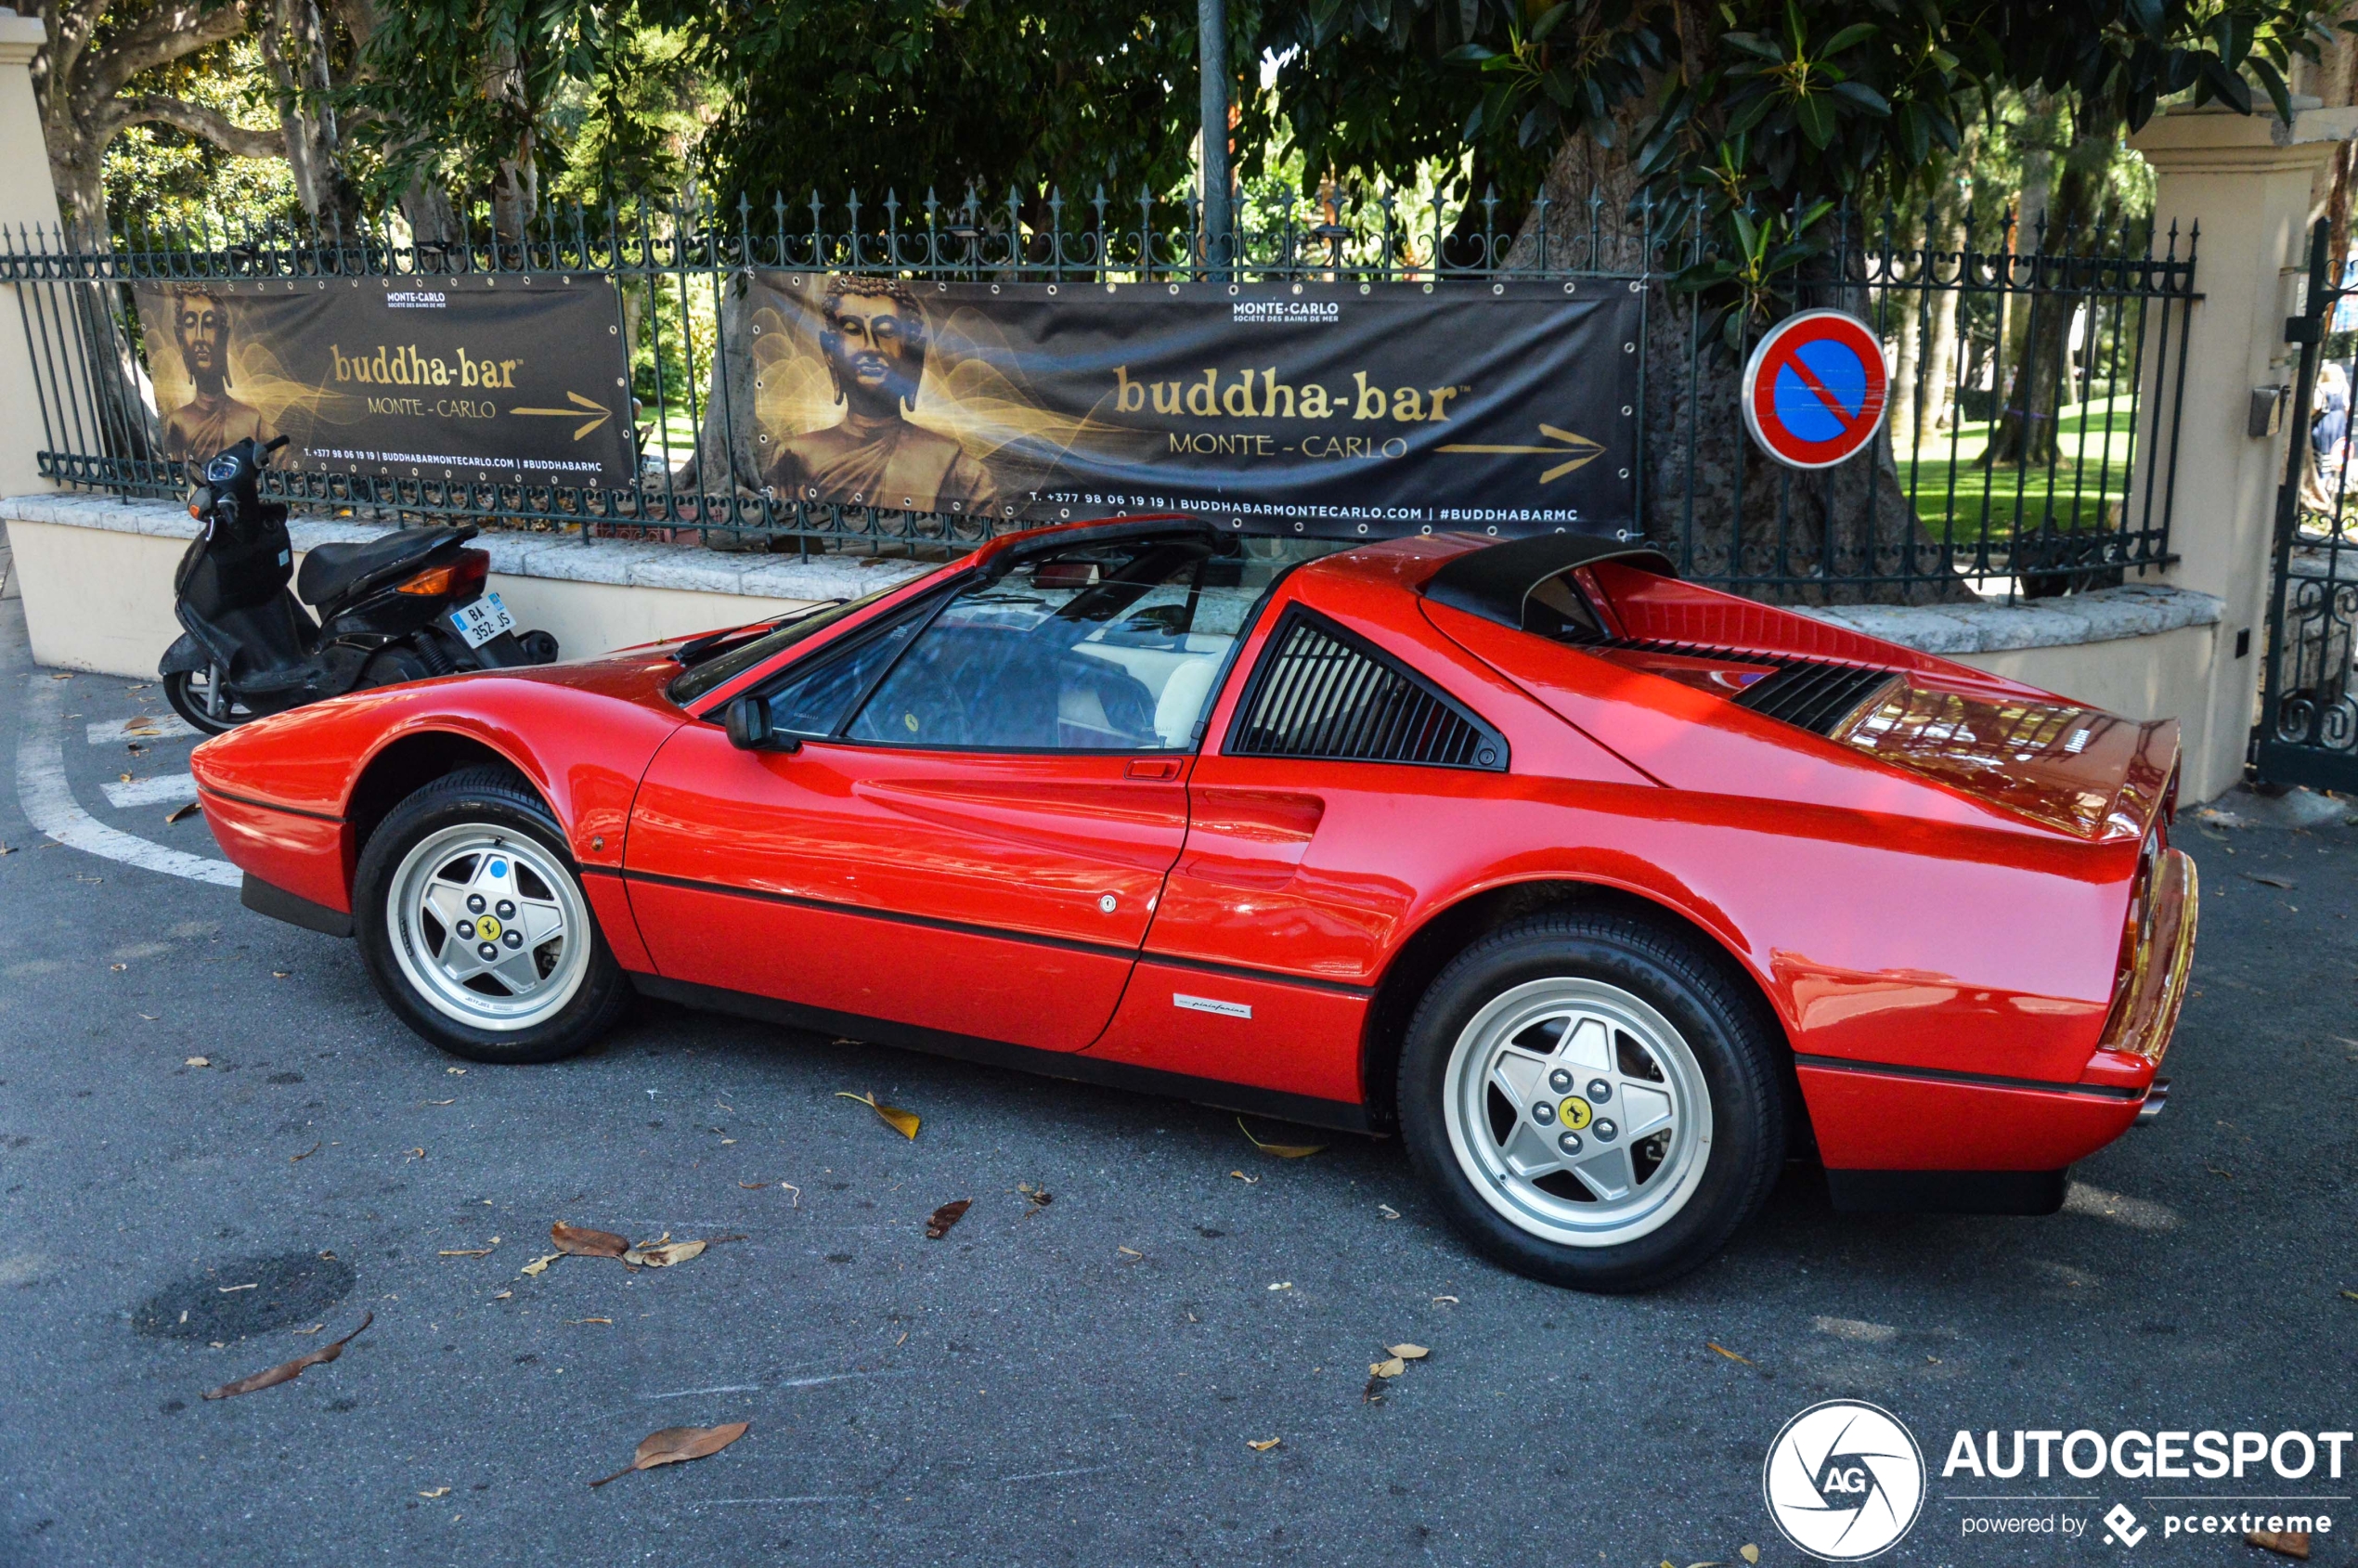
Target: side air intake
[{"x": 1322, "y": 693}]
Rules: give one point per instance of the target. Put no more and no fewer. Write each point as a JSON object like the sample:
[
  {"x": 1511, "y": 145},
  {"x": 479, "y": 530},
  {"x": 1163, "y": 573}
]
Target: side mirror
[{"x": 747, "y": 721}]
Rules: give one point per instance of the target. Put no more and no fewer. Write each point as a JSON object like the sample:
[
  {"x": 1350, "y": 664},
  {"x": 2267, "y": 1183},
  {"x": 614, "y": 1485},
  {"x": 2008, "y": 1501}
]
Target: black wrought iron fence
[{"x": 2032, "y": 435}]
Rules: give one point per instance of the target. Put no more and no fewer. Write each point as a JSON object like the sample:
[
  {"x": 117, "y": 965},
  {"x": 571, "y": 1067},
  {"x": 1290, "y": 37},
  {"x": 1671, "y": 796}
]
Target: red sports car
[{"x": 1601, "y": 888}]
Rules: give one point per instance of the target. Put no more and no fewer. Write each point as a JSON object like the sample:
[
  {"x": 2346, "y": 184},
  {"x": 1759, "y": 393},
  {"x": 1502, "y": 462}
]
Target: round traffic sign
[{"x": 1815, "y": 388}]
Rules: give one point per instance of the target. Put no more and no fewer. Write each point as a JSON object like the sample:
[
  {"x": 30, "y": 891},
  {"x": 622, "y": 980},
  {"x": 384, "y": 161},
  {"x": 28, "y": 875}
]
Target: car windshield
[{"x": 722, "y": 668}]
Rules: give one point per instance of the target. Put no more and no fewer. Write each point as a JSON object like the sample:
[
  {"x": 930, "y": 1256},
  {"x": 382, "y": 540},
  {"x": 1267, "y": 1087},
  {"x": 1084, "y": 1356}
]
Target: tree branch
[
  {"x": 199, "y": 121},
  {"x": 161, "y": 36}
]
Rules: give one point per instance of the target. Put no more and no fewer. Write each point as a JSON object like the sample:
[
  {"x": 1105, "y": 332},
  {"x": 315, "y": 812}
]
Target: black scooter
[{"x": 400, "y": 608}]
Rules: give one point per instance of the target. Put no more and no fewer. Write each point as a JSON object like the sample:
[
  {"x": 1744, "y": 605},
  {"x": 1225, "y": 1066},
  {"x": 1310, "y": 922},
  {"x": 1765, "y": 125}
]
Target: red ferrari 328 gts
[{"x": 1602, "y": 889}]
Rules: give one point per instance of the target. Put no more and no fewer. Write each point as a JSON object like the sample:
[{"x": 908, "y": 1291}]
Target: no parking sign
[{"x": 1815, "y": 388}]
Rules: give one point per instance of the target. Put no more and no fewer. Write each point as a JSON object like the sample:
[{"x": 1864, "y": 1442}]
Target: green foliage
[
  {"x": 1750, "y": 115},
  {"x": 632, "y": 127},
  {"x": 911, "y": 95}
]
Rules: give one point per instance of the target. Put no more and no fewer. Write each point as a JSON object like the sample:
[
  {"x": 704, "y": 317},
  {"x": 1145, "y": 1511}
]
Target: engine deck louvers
[{"x": 1814, "y": 695}]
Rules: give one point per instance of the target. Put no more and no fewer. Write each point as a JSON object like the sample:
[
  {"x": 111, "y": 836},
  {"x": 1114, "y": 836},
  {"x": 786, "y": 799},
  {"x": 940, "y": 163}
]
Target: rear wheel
[
  {"x": 474, "y": 927},
  {"x": 1596, "y": 1103}
]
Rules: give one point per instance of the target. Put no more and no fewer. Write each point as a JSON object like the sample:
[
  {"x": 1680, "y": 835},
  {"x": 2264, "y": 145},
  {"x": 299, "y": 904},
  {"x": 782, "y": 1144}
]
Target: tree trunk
[
  {"x": 1904, "y": 325},
  {"x": 2027, "y": 430},
  {"x": 1719, "y": 508}
]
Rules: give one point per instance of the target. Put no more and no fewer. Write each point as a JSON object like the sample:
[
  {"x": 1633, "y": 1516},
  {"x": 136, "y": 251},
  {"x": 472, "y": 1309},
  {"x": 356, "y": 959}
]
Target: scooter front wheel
[{"x": 192, "y": 695}]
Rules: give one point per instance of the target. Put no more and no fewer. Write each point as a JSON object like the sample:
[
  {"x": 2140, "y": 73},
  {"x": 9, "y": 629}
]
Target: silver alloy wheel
[
  {"x": 489, "y": 927},
  {"x": 1577, "y": 1111}
]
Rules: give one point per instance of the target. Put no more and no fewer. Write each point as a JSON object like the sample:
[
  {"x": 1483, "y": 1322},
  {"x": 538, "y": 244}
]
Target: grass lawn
[{"x": 1954, "y": 492}]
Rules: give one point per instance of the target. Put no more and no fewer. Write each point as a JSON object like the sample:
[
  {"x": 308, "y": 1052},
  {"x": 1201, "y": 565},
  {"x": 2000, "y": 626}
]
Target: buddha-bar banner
[
  {"x": 480, "y": 378},
  {"x": 1334, "y": 410}
]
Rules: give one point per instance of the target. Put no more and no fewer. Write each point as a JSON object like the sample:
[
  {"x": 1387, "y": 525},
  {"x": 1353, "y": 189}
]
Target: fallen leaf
[
  {"x": 417, "y": 1154},
  {"x": 456, "y": 1071},
  {"x": 581, "y": 1242},
  {"x": 437, "y": 1492},
  {"x": 1409, "y": 1353},
  {"x": 280, "y": 974},
  {"x": 1264, "y": 1445},
  {"x": 661, "y": 1253},
  {"x": 1283, "y": 1151},
  {"x": 1391, "y": 1369},
  {"x": 233, "y": 1290},
  {"x": 1387, "y": 1211},
  {"x": 673, "y": 1445},
  {"x": 287, "y": 1371},
  {"x": 1130, "y": 1252},
  {"x": 299, "y": 1159},
  {"x": 944, "y": 1217},
  {"x": 118, "y": 968},
  {"x": 1749, "y": 1552},
  {"x": 503, "y": 1295},
  {"x": 796, "y": 1190},
  {"x": 2286, "y": 1542},
  {"x": 1038, "y": 1197},
  {"x": 1729, "y": 1354},
  {"x": 313, "y": 1330},
  {"x": 183, "y": 814},
  {"x": 753, "y": 1186},
  {"x": 2352, "y": 1294},
  {"x": 607, "y": 1321},
  {"x": 124, "y": 777},
  {"x": 540, "y": 1266},
  {"x": 1282, "y": 1285},
  {"x": 2284, "y": 882},
  {"x": 902, "y": 1122},
  {"x": 150, "y": 1016},
  {"x": 1249, "y": 1181},
  {"x": 8, "y": 849},
  {"x": 450, "y": 1102},
  {"x": 464, "y": 1253}
]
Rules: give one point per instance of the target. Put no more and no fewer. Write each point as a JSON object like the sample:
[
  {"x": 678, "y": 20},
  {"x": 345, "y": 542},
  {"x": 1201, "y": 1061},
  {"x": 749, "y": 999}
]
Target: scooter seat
[{"x": 332, "y": 572}]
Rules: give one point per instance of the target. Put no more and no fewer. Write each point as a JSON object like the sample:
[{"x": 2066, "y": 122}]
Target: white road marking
[
  {"x": 171, "y": 727},
  {"x": 150, "y": 792},
  {"x": 48, "y": 801}
]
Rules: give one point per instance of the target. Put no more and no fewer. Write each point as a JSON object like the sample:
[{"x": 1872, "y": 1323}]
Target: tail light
[{"x": 456, "y": 579}]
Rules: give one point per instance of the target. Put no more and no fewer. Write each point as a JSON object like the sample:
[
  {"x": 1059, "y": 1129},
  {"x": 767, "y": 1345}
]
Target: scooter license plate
[{"x": 480, "y": 622}]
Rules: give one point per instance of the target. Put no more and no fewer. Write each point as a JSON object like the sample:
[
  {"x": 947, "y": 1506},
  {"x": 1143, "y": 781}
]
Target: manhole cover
[{"x": 246, "y": 1296}]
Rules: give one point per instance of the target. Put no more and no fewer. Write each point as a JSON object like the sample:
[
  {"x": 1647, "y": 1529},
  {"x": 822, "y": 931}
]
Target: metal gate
[{"x": 2308, "y": 731}]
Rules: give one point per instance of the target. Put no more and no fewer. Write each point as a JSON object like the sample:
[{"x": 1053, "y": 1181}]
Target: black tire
[
  {"x": 499, "y": 800},
  {"x": 182, "y": 689},
  {"x": 1732, "y": 1044}
]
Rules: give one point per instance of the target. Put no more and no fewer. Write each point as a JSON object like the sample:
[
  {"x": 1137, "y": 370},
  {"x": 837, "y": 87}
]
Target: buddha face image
[
  {"x": 200, "y": 325},
  {"x": 875, "y": 349},
  {"x": 213, "y": 419},
  {"x": 873, "y": 335}
]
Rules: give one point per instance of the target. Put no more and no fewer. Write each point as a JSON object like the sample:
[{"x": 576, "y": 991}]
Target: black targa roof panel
[{"x": 1494, "y": 583}]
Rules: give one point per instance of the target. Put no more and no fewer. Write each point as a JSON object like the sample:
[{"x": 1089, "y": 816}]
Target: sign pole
[{"x": 1212, "y": 30}]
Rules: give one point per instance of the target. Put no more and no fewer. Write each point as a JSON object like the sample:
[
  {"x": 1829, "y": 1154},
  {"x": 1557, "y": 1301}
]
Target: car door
[{"x": 971, "y": 836}]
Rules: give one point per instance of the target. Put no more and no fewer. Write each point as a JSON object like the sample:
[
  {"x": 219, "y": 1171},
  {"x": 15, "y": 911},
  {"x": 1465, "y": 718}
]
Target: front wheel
[
  {"x": 1593, "y": 1100},
  {"x": 192, "y": 696},
  {"x": 474, "y": 927}
]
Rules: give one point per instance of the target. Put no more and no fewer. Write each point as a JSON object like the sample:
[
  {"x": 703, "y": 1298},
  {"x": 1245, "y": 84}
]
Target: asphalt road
[{"x": 1076, "y": 1383}]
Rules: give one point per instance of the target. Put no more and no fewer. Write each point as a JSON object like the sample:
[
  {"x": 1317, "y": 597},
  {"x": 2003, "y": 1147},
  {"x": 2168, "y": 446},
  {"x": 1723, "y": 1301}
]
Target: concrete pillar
[
  {"x": 2251, "y": 182},
  {"x": 26, "y": 198}
]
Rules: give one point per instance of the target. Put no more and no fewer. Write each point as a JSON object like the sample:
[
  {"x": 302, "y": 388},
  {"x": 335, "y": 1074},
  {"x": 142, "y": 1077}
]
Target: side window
[
  {"x": 816, "y": 702},
  {"x": 1110, "y": 647},
  {"x": 1319, "y": 692}
]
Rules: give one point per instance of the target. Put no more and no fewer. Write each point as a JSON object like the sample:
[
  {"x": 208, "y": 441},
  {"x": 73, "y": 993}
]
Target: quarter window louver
[{"x": 1321, "y": 692}]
